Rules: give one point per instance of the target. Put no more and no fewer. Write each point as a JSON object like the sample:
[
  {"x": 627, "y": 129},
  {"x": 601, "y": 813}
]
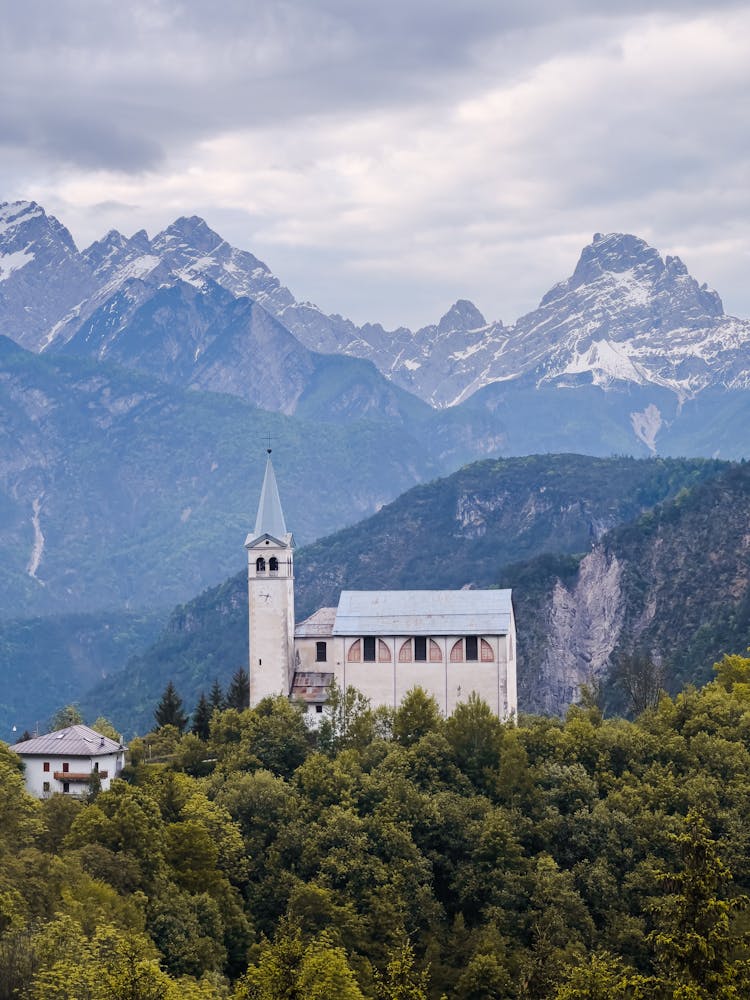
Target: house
[
  {"x": 64, "y": 761},
  {"x": 384, "y": 643}
]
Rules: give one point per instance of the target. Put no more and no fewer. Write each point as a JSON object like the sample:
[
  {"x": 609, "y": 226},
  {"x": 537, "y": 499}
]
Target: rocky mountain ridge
[{"x": 624, "y": 317}]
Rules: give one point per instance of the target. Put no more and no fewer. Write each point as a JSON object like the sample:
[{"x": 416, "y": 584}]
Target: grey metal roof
[
  {"x": 75, "y": 741},
  {"x": 270, "y": 517},
  {"x": 318, "y": 624},
  {"x": 423, "y": 612}
]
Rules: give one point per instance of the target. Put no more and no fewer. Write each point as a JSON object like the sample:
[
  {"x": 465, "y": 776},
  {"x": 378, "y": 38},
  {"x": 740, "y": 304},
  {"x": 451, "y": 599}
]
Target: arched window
[
  {"x": 260, "y": 565},
  {"x": 404, "y": 654},
  {"x": 457, "y": 651},
  {"x": 436, "y": 654},
  {"x": 486, "y": 654},
  {"x": 384, "y": 652},
  {"x": 355, "y": 652},
  {"x": 273, "y": 564}
]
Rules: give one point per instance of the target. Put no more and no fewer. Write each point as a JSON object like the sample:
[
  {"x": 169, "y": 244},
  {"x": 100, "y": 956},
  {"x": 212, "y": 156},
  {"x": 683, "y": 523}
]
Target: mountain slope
[
  {"x": 117, "y": 490},
  {"x": 457, "y": 531}
]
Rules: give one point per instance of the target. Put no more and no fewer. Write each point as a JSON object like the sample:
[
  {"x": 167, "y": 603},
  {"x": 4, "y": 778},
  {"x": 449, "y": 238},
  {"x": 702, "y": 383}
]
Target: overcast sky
[{"x": 390, "y": 156}]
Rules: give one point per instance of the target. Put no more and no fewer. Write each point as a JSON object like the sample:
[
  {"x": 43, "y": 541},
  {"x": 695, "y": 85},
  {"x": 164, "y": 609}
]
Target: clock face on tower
[{"x": 264, "y": 597}]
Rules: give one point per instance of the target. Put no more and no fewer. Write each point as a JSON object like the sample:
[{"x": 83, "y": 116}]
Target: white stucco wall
[
  {"x": 35, "y": 775},
  {"x": 386, "y": 682}
]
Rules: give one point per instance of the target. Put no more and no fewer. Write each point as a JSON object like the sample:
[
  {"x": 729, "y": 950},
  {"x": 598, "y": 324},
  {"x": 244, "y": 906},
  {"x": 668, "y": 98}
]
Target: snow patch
[
  {"x": 646, "y": 425},
  {"x": 38, "y": 547},
  {"x": 10, "y": 262}
]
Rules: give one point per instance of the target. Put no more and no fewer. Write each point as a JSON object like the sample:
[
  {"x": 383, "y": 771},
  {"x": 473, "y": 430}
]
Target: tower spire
[{"x": 270, "y": 517}]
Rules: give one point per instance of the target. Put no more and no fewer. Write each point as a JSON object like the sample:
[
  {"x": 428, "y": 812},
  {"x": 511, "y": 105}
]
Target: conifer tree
[
  {"x": 238, "y": 692},
  {"x": 169, "y": 711},
  {"x": 216, "y": 697},
  {"x": 202, "y": 718}
]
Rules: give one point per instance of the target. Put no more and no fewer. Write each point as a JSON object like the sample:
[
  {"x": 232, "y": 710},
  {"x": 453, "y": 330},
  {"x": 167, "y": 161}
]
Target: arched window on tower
[
  {"x": 260, "y": 565},
  {"x": 273, "y": 564}
]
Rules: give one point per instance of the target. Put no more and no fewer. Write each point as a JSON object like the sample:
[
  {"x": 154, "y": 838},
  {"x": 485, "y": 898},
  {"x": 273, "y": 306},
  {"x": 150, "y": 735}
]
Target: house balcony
[{"x": 78, "y": 775}]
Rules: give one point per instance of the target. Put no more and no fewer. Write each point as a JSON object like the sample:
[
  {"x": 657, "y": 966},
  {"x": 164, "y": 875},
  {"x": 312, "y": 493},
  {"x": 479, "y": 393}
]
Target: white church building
[{"x": 383, "y": 643}]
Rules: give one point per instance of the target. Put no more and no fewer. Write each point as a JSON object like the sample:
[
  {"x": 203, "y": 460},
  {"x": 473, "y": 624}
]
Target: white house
[
  {"x": 64, "y": 761},
  {"x": 384, "y": 643}
]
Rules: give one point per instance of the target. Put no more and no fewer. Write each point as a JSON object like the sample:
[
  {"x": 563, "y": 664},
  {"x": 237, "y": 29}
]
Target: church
[{"x": 383, "y": 643}]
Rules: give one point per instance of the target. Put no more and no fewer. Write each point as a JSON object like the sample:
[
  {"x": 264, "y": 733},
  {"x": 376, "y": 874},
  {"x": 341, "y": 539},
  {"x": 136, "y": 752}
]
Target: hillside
[
  {"x": 117, "y": 490},
  {"x": 457, "y": 531}
]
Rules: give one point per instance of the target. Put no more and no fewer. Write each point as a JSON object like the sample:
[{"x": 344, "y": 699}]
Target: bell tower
[{"x": 270, "y": 580}]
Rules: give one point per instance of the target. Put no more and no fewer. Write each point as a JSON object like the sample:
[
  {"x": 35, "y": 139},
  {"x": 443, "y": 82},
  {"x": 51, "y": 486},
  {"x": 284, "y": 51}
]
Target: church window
[
  {"x": 321, "y": 652},
  {"x": 273, "y": 564},
  {"x": 420, "y": 648},
  {"x": 457, "y": 651},
  {"x": 355, "y": 652},
  {"x": 404, "y": 654},
  {"x": 369, "y": 644},
  {"x": 384, "y": 653},
  {"x": 260, "y": 565},
  {"x": 471, "y": 647},
  {"x": 436, "y": 655},
  {"x": 487, "y": 655}
]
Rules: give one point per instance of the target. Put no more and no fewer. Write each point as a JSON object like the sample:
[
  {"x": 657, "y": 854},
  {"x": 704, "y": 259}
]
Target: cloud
[{"x": 388, "y": 158}]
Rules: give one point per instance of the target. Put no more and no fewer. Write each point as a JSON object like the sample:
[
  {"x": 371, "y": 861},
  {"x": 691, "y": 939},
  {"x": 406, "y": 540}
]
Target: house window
[
  {"x": 321, "y": 652},
  {"x": 273, "y": 564},
  {"x": 45, "y": 766},
  {"x": 319, "y": 709},
  {"x": 260, "y": 565},
  {"x": 45, "y": 786},
  {"x": 471, "y": 647},
  {"x": 66, "y": 787},
  {"x": 369, "y": 648},
  {"x": 420, "y": 647},
  {"x": 96, "y": 766},
  {"x": 66, "y": 766}
]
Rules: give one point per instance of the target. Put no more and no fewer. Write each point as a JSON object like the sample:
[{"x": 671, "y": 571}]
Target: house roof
[
  {"x": 423, "y": 612},
  {"x": 311, "y": 685},
  {"x": 270, "y": 517},
  {"x": 75, "y": 741},
  {"x": 317, "y": 625}
]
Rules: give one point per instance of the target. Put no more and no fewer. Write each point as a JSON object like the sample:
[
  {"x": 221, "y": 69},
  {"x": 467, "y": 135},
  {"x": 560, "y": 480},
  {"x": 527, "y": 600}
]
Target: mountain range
[{"x": 630, "y": 340}]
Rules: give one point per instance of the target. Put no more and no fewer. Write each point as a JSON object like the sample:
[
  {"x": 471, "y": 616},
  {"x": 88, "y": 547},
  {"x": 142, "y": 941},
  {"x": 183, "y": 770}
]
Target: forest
[{"x": 393, "y": 855}]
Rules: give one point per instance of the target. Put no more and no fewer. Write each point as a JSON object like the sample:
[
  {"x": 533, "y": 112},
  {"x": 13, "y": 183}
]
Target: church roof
[
  {"x": 75, "y": 741},
  {"x": 318, "y": 624},
  {"x": 423, "y": 612},
  {"x": 270, "y": 518}
]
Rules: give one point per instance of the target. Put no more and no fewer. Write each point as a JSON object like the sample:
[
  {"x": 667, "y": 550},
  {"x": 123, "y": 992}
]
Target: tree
[
  {"x": 169, "y": 710},
  {"x": 640, "y": 679},
  {"x": 402, "y": 981},
  {"x": 202, "y": 718},
  {"x": 475, "y": 733},
  {"x": 105, "y": 728},
  {"x": 68, "y": 715},
  {"x": 216, "y": 697},
  {"x": 417, "y": 715},
  {"x": 238, "y": 692}
]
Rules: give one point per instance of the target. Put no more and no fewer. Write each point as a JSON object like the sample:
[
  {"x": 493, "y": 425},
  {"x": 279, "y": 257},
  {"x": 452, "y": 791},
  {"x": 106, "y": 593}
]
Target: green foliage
[
  {"x": 69, "y": 715},
  {"x": 169, "y": 711},
  {"x": 544, "y": 859}
]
